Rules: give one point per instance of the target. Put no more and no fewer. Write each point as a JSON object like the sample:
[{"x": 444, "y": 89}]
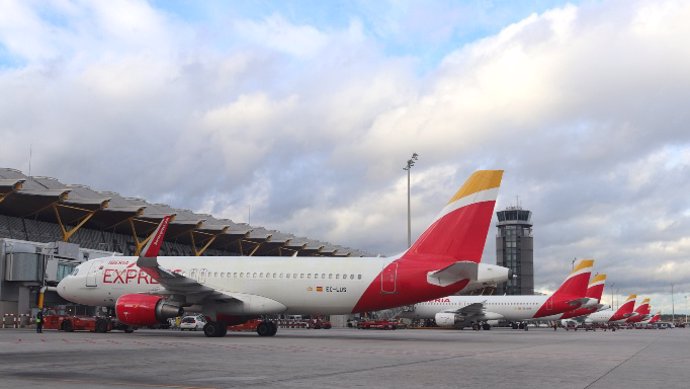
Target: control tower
[{"x": 514, "y": 250}]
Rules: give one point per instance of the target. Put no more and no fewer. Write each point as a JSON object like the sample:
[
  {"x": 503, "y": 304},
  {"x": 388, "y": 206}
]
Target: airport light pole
[
  {"x": 408, "y": 167},
  {"x": 612, "y": 285},
  {"x": 673, "y": 307}
]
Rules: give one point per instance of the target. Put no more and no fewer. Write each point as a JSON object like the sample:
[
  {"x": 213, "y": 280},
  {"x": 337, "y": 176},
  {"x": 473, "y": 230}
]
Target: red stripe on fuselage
[{"x": 458, "y": 236}]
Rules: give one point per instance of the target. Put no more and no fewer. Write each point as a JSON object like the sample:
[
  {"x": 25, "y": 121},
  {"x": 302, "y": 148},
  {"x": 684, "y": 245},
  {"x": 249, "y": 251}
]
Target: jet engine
[
  {"x": 445, "y": 319},
  {"x": 145, "y": 309}
]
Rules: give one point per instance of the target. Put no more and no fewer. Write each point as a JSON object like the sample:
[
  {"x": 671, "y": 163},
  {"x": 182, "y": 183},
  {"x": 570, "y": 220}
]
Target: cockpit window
[{"x": 74, "y": 273}]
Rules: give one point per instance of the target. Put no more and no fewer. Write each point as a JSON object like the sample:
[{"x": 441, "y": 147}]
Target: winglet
[{"x": 149, "y": 253}]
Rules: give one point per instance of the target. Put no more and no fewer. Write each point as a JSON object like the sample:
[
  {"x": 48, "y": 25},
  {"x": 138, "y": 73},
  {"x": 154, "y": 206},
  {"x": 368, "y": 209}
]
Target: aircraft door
[
  {"x": 389, "y": 278},
  {"x": 91, "y": 274}
]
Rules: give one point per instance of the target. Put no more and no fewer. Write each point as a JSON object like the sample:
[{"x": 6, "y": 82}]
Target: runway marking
[{"x": 620, "y": 364}]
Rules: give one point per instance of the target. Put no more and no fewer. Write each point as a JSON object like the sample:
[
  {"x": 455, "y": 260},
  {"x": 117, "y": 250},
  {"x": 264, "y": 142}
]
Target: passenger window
[
  {"x": 359, "y": 276},
  {"x": 352, "y": 276},
  {"x": 274, "y": 275},
  {"x": 242, "y": 275},
  {"x": 261, "y": 275},
  {"x": 301, "y": 275},
  {"x": 330, "y": 276},
  {"x": 308, "y": 275},
  {"x": 337, "y": 276},
  {"x": 254, "y": 275},
  {"x": 286, "y": 276}
]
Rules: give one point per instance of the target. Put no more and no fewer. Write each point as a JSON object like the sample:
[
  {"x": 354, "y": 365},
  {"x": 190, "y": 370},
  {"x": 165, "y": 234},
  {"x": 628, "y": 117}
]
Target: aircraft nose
[{"x": 63, "y": 288}]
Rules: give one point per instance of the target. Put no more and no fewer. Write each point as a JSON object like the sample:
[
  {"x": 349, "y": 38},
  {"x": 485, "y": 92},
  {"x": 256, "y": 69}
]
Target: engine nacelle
[
  {"x": 145, "y": 309},
  {"x": 444, "y": 319}
]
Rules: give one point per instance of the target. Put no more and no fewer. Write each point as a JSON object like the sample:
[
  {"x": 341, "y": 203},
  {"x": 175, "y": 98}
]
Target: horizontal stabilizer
[{"x": 458, "y": 271}]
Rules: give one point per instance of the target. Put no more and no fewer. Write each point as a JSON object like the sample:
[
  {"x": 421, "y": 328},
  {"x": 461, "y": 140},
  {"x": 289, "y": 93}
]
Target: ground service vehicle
[
  {"x": 69, "y": 323},
  {"x": 192, "y": 323}
]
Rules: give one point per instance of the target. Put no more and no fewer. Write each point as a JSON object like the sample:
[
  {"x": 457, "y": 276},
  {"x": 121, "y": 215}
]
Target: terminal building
[
  {"x": 47, "y": 228},
  {"x": 514, "y": 250}
]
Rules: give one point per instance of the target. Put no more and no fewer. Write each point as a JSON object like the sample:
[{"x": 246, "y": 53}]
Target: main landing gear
[
  {"x": 215, "y": 329},
  {"x": 266, "y": 328}
]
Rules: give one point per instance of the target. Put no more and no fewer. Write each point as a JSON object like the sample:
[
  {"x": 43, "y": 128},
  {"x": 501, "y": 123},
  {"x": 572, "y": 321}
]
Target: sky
[{"x": 302, "y": 114}]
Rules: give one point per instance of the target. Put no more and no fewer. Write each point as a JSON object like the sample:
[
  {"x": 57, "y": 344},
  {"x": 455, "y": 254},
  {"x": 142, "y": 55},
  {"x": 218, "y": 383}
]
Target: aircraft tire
[
  {"x": 129, "y": 330},
  {"x": 264, "y": 328},
  {"x": 486, "y": 327},
  {"x": 214, "y": 329},
  {"x": 274, "y": 329}
]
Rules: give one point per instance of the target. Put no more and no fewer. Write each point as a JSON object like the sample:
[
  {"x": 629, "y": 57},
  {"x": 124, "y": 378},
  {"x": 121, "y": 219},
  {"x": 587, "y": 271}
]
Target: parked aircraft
[
  {"x": 641, "y": 312},
  {"x": 653, "y": 319},
  {"x": 594, "y": 291},
  {"x": 231, "y": 290},
  {"x": 610, "y": 316},
  {"x": 476, "y": 311}
]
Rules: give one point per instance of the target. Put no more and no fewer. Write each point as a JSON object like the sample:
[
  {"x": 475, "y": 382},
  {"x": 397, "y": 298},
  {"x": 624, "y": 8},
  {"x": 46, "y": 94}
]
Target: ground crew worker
[{"x": 39, "y": 321}]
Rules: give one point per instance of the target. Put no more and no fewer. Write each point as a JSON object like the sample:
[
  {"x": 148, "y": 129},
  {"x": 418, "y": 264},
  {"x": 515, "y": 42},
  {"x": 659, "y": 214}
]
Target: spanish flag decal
[{"x": 319, "y": 288}]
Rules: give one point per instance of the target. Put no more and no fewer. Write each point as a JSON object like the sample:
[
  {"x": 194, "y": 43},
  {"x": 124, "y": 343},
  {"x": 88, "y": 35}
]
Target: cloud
[{"x": 310, "y": 124}]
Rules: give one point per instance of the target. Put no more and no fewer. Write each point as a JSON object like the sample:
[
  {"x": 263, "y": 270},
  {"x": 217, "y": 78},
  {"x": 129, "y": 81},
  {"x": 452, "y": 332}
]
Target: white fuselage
[
  {"x": 497, "y": 307},
  {"x": 305, "y": 285}
]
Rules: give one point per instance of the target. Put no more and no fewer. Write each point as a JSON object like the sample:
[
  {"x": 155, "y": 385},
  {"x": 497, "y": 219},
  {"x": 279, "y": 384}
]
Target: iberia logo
[{"x": 309, "y": 289}]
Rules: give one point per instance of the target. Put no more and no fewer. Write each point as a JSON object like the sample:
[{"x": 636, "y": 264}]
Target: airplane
[
  {"x": 653, "y": 319},
  {"x": 595, "y": 290},
  {"x": 148, "y": 289},
  {"x": 479, "y": 311},
  {"x": 609, "y": 316},
  {"x": 641, "y": 312}
]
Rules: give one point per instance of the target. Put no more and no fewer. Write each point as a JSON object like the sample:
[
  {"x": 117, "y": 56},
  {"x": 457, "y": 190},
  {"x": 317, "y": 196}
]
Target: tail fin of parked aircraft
[
  {"x": 643, "y": 309},
  {"x": 576, "y": 283},
  {"x": 149, "y": 254},
  {"x": 596, "y": 287},
  {"x": 459, "y": 232},
  {"x": 626, "y": 309}
]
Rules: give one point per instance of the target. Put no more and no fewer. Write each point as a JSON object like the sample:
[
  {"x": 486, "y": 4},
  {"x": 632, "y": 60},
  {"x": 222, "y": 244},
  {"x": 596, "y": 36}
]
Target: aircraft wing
[{"x": 471, "y": 310}]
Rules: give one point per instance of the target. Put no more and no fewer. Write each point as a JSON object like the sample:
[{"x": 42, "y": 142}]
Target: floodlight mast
[{"x": 408, "y": 167}]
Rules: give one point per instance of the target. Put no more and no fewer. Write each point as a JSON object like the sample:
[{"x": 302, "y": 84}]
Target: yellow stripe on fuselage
[{"x": 479, "y": 181}]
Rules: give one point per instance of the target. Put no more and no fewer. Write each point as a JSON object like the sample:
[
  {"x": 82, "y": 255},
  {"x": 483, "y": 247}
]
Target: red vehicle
[
  {"x": 69, "y": 323},
  {"x": 378, "y": 324}
]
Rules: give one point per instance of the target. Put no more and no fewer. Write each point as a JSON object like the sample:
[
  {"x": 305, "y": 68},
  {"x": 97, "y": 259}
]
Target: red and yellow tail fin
[
  {"x": 576, "y": 283},
  {"x": 596, "y": 287},
  {"x": 460, "y": 229}
]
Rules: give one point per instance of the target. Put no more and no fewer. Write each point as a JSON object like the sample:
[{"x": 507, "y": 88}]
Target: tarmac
[{"x": 347, "y": 358}]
